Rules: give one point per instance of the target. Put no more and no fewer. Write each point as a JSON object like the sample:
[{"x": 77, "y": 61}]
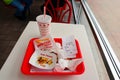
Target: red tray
[{"x": 25, "y": 68}]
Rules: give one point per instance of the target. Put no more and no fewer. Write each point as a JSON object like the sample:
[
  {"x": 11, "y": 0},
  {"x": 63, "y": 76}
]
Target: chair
[{"x": 58, "y": 11}]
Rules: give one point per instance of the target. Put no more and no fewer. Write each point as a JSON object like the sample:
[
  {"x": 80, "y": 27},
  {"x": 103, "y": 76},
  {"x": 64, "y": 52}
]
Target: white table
[{"x": 11, "y": 68}]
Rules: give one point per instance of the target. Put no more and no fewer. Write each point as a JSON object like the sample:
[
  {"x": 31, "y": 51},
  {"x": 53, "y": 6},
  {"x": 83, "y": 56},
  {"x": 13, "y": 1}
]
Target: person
[{"x": 21, "y": 7}]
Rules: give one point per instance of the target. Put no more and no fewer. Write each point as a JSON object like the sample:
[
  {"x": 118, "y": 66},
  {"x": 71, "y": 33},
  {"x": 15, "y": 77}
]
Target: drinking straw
[{"x": 44, "y": 11}]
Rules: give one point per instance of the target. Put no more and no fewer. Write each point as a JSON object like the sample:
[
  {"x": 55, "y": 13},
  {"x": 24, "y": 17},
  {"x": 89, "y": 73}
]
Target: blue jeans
[{"x": 20, "y": 7}]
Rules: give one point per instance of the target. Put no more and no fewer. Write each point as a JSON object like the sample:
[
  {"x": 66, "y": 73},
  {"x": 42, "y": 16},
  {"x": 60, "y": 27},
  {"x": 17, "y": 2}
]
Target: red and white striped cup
[{"x": 44, "y": 24}]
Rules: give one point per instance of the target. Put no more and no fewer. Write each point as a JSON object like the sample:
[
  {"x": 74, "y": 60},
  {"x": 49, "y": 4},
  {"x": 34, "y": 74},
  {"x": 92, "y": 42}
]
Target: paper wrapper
[{"x": 45, "y": 54}]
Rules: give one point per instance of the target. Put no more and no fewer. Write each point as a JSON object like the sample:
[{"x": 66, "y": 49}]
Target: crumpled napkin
[{"x": 69, "y": 64}]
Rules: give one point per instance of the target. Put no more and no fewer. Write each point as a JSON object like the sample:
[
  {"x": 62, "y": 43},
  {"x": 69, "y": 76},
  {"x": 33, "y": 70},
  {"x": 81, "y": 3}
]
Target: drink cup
[{"x": 44, "y": 24}]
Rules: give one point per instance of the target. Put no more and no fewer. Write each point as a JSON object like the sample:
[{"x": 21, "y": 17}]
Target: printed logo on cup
[{"x": 43, "y": 25}]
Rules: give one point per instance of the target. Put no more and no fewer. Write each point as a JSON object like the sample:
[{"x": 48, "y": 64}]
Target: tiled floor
[{"x": 11, "y": 28}]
